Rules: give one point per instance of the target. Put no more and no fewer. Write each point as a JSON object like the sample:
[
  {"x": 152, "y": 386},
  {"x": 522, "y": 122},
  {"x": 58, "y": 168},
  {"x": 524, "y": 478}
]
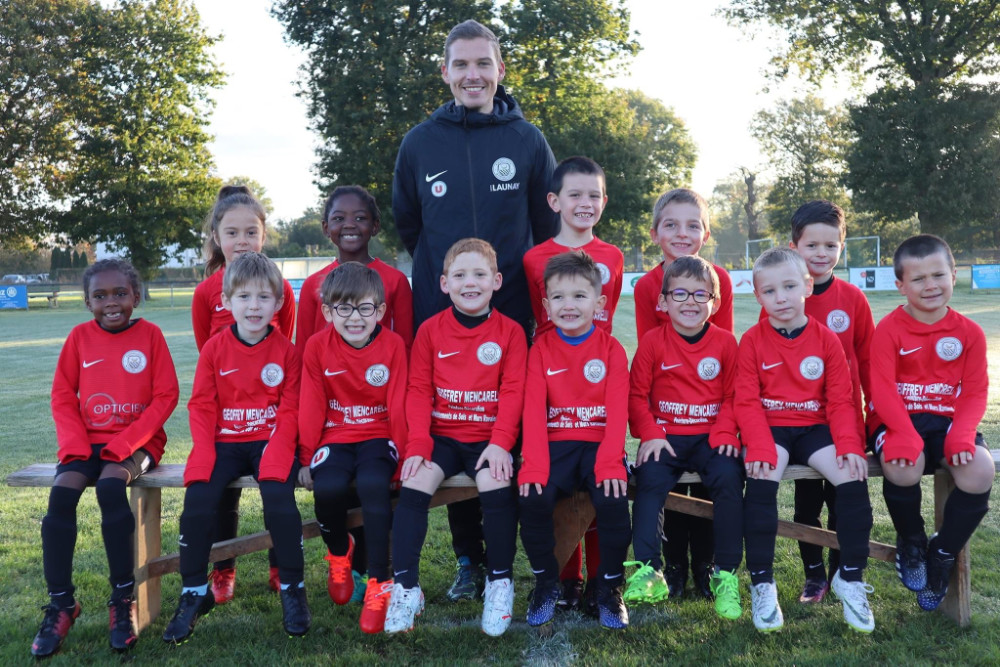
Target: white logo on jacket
[
  {"x": 811, "y": 368},
  {"x": 377, "y": 375},
  {"x": 134, "y": 361},
  {"x": 594, "y": 370},
  {"x": 948, "y": 348},
  {"x": 504, "y": 169},
  {"x": 489, "y": 353},
  {"x": 709, "y": 368},
  {"x": 439, "y": 188},
  {"x": 605, "y": 272},
  {"x": 838, "y": 321},
  {"x": 272, "y": 375},
  {"x": 322, "y": 454}
]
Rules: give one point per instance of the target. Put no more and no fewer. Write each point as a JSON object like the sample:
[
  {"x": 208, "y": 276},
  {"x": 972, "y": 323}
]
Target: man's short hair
[
  {"x": 576, "y": 165},
  {"x": 570, "y": 265},
  {"x": 478, "y": 246},
  {"x": 691, "y": 266},
  {"x": 918, "y": 247},
  {"x": 818, "y": 211},
  {"x": 776, "y": 256},
  {"x": 471, "y": 30},
  {"x": 249, "y": 267},
  {"x": 684, "y": 196},
  {"x": 354, "y": 282}
]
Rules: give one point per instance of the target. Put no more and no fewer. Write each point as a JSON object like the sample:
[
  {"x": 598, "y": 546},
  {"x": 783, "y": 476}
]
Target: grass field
[{"x": 248, "y": 630}]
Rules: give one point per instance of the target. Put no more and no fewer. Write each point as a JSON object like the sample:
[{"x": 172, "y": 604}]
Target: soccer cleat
[
  {"x": 470, "y": 580},
  {"x": 376, "y": 604},
  {"x": 814, "y": 590},
  {"x": 498, "y": 606},
  {"x": 590, "y": 599},
  {"x": 339, "y": 582},
  {"x": 911, "y": 562},
  {"x": 223, "y": 583},
  {"x": 767, "y": 616},
  {"x": 405, "y": 604},
  {"x": 360, "y": 587},
  {"x": 571, "y": 597},
  {"x": 542, "y": 605},
  {"x": 645, "y": 584},
  {"x": 939, "y": 566},
  {"x": 122, "y": 623},
  {"x": 701, "y": 576},
  {"x": 676, "y": 578},
  {"x": 55, "y": 626},
  {"x": 295, "y": 616},
  {"x": 273, "y": 581},
  {"x": 726, "y": 589},
  {"x": 854, "y": 596},
  {"x": 190, "y": 608},
  {"x": 610, "y": 606}
]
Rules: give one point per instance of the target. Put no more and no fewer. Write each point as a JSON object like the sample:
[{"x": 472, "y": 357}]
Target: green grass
[{"x": 248, "y": 629}]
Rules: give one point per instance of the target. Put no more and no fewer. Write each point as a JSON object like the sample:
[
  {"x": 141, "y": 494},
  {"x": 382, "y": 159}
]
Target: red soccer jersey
[
  {"x": 351, "y": 395},
  {"x": 398, "y": 303},
  {"x": 682, "y": 388},
  {"x": 466, "y": 384},
  {"x": 939, "y": 369},
  {"x": 244, "y": 393},
  {"x": 648, "y": 315},
  {"x": 209, "y": 316},
  {"x": 575, "y": 392},
  {"x": 793, "y": 382},
  {"x": 844, "y": 309},
  {"x": 115, "y": 388},
  {"x": 609, "y": 260}
]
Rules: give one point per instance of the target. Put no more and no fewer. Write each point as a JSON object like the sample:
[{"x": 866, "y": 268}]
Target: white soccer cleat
[
  {"x": 405, "y": 605},
  {"x": 767, "y": 615},
  {"x": 854, "y": 596},
  {"x": 498, "y": 606}
]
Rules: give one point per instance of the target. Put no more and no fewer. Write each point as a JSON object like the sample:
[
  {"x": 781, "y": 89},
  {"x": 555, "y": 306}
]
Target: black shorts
[
  {"x": 454, "y": 456},
  {"x": 139, "y": 463},
  {"x": 348, "y": 456},
  {"x": 933, "y": 429},
  {"x": 571, "y": 465},
  {"x": 801, "y": 442}
]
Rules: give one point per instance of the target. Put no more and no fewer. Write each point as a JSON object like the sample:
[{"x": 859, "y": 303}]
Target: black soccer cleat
[
  {"x": 911, "y": 562},
  {"x": 542, "y": 606},
  {"x": 55, "y": 626},
  {"x": 590, "y": 599},
  {"x": 190, "y": 608},
  {"x": 122, "y": 624},
  {"x": 939, "y": 567},
  {"x": 611, "y": 607},
  {"x": 676, "y": 580},
  {"x": 295, "y": 611},
  {"x": 571, "y": 597},
  {"x": 701, "y": 576}
]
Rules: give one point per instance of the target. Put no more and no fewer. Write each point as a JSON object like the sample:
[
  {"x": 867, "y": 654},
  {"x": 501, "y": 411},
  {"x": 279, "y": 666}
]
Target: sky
[{"x": 710, "y": 73}]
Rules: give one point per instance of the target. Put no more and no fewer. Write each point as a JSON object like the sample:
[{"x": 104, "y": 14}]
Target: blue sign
[
  {"x": 13, "y": 296},
  {"x": 986, "y": 276},
  {"x": 296, "y": 287}
]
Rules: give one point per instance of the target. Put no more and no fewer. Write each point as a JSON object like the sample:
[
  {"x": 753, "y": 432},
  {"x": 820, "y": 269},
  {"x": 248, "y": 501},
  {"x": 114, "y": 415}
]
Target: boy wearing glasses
[
  {"x": 352, "y": 428},
  {"x": 681, "y": 410}
]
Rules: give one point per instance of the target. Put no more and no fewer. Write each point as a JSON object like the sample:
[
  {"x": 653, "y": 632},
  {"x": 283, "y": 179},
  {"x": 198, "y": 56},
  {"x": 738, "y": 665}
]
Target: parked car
[{"x": 13, "y": 279}]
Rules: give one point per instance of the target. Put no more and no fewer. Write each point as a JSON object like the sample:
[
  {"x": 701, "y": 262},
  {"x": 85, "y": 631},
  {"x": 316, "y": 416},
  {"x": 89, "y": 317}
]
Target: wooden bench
[{"x": 573, "y": 517}]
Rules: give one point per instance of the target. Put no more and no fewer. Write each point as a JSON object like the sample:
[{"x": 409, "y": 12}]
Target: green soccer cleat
[
  {"x": 645, "y": 584},
  {"x": 726, "y": 588}
]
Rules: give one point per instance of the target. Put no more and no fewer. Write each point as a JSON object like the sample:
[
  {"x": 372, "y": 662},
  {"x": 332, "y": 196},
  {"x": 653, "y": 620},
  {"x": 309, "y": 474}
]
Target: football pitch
[{"x": 248, "y": 630}]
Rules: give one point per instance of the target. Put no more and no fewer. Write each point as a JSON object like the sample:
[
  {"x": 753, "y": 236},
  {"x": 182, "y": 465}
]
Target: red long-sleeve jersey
[
  {"x": 939, "y": 369},
  {"x": 244, "y": 393},
  {"x": 116, "y": 388},
  {"x": 209, "y": 316},
  {"x": 682, "y": 388},
  {"x": 609, "y": 260},
  {"x": 647, "y": 290},
  {"x": 398, "y": 303},
  {"x": 575, "y": 392},
  {"x": 466, "y": 384},
  {"x": 793, "y": 382},
  {"x": 350, "y": 394},
  {"x": 844, "y": 309}
]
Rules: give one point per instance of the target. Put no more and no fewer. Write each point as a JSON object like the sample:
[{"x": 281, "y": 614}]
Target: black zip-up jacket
[{"x": 461, "y": 174}]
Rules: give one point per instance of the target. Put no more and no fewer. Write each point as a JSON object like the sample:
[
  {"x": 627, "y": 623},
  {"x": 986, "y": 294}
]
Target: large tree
[{"x": 141, "y": 182}]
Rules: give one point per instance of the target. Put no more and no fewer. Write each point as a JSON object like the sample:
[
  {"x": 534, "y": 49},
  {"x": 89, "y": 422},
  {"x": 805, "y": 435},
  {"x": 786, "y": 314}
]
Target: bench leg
[
  {"x": 146, "y": 503},
  {"x": 957, "y": 603},
  {"x": 571, "y": 518}
]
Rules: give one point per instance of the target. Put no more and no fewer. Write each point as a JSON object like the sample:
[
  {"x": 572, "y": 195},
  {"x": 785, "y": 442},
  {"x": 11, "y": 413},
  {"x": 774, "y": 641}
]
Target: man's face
[{"x": 473, "y": 72}]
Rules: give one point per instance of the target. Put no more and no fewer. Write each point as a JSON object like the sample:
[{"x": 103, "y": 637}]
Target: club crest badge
[
  {"x": 134, "y": 361},
  {"x": 489, "y": 353},
  {"x": 709, "y": 368},
  {"x": 811, "y": 368},
  {"x": 504, "y": 169},
  {"x": 605, "y": 272},
  {"x": 322, "y": 454},
  {"x": 594, "y": 370},
  {"x": 377, "y": 375},
  {"x": 838, "y": 321},
  {"x": 439, "y": 188},
  {"x": 948, "y": 348},
  {"x": 272, "y": 375}
]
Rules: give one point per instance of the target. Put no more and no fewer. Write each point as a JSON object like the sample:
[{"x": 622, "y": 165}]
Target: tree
[
  {"x": 141, "y": 181},
  {"x": 736, "y": 215}
]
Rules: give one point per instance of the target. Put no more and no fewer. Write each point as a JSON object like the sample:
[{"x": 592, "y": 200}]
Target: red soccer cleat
[
  {"x": 273, "y": 580},
  {"x": 340, "y": 583},
  {"x": 223, "y": 584},
  {"x": 377, "y": 597}
]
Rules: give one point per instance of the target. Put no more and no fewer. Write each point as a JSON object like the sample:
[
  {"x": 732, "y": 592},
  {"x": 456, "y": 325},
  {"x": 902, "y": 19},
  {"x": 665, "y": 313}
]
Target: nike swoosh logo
[
  {"x": 219, "y": 309},
  {"x": 768, "y": 367},
  {"x": 549, "y": 371},
  {"x": 330, "y": 374},
  {"x": 430, "y": 178},
  {"x": 667, "y": 368},
  {"x": 442, "y": 355},
  {"x": 609, "y": 577},
  {"x": 88, "y": 364},
  {"x": 224, "y": 373},
  {"x": 849, "y": 569},
  {"x": 903, "y": 352}
]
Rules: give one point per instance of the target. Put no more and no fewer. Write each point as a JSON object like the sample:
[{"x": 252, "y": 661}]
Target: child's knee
[
  {"x": 904, "y": 475},
  {"x": 976, "y": 476}
]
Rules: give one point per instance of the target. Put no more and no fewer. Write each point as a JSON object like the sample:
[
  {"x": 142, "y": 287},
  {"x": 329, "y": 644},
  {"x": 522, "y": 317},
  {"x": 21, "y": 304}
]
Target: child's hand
[
  {"x": 652, "y": 448},
  {"x": 729, "y": 450},
  {"x": 524, "y": 488},
  {"x": 306, "y": 478},
  {"x": 962, "y": 458},
  {"x": 856, "y": 464},
  {"x": 501, "y": 467},
  {"x": 758, "y": 469},
  {"x": 411, "y": 466},
  {"x": 619, "y": 486}
]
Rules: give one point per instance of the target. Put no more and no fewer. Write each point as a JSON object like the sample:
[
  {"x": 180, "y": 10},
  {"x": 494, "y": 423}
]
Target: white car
[{"x": 13, "y": 278}]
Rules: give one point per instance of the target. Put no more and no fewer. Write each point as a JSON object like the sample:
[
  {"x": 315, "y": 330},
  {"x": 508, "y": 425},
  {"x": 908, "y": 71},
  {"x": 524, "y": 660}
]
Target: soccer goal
[
  {"x": 862, "y": 251},
  {"x": 754, "y": 249}
]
